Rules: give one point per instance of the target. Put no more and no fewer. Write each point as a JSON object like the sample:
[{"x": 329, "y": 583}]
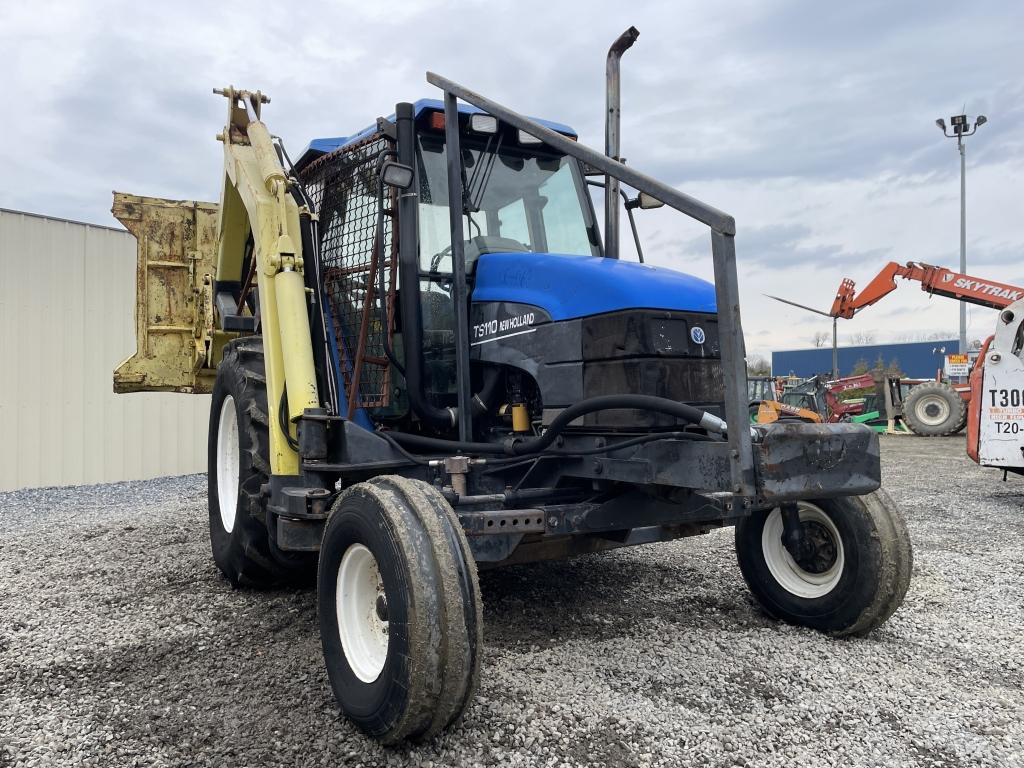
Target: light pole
[{"x": 960, "y": 128}]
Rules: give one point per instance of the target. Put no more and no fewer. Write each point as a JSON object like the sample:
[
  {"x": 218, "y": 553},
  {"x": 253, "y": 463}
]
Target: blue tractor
[{"x": 484, "y": 382}]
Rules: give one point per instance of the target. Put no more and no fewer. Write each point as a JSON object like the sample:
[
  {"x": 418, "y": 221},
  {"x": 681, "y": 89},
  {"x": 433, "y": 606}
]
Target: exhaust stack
[{"x": 611, "y": 139}]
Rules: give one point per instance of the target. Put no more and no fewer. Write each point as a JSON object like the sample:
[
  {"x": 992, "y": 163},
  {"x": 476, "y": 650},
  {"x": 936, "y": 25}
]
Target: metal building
[
  {"x": 917, "y": 359},
  {"x": 66, "y": 320}
]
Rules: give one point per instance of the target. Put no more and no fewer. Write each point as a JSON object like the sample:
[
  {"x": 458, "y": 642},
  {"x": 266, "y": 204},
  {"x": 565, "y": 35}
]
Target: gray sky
[{"x": 812, "y": 123}]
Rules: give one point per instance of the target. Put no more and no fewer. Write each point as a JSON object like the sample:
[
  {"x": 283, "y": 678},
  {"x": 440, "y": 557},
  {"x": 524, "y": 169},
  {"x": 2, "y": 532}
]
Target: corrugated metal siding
[
  {"x": 67, "y": 298},
  {"x": 916, "y": 359}
]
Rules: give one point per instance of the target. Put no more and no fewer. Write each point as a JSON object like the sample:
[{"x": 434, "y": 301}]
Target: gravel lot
[{"x": 121, "y": 645}]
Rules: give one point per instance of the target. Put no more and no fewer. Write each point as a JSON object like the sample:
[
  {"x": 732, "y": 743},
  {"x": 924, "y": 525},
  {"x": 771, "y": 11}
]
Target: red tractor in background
[{"x": 822, "y": 396}]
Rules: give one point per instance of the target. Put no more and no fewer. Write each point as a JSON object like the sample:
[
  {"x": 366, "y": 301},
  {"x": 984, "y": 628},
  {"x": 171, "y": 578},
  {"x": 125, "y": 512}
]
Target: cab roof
[{"x": 318, "y": 147}]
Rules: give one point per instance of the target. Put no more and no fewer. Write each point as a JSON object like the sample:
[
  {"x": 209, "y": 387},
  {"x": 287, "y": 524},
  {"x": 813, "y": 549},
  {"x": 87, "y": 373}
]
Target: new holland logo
[{"x": 697, "y": 334}]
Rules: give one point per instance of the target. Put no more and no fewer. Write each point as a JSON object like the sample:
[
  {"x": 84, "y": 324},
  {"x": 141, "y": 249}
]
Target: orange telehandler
[
  {"x": 992, "y": 404},
  {"x": 935, "y": 280}
]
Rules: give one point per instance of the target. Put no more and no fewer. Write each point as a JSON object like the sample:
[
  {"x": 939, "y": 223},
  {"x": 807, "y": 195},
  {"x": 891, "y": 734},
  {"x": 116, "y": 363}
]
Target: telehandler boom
[
  {"x": 422, "y": 362},
  {"x": 934, "y": 407},
  {"x": 934, "y": 280}
]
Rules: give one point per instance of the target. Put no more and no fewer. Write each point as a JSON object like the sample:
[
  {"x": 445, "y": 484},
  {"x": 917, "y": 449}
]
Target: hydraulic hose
[
  {"x": 687, "y": 413},
  {"x": 523, "y": 446},
  {"x": 440, "y": 445},
  {"x": 481, "y": 401}
]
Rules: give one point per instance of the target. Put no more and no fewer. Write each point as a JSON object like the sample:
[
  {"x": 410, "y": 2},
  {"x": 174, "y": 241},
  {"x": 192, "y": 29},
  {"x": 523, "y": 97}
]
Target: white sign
[
  {"x": 1001, "y": 431},
  {"x": 958, "y": 365}
]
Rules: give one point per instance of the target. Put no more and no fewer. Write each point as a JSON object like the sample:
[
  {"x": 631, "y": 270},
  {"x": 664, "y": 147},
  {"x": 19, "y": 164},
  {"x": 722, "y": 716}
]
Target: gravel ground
[{"x": 121, "y": 645}]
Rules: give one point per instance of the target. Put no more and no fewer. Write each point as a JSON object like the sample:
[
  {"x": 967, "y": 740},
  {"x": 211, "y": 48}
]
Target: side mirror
[
  {"x": 647, "y": 201},
  {"x": 642, "y": 201},
  {"x": 396, "y": 175}
]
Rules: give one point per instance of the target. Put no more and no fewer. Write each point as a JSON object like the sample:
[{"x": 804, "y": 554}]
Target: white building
[{"x": 67, "y": 299}]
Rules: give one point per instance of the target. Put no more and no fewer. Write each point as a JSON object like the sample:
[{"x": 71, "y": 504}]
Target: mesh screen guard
[{"x": 344, "y": 188}]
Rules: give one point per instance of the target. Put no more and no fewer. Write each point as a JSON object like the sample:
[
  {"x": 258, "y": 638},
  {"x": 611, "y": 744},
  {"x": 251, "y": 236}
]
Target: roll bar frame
[{"x": 723, "y": 254}]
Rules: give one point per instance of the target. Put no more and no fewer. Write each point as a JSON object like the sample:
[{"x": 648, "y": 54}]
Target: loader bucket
[{"x": 177, "y": 252}]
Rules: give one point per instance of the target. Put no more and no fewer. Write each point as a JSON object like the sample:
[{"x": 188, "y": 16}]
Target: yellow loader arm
[{"x": 191, "y": 257}]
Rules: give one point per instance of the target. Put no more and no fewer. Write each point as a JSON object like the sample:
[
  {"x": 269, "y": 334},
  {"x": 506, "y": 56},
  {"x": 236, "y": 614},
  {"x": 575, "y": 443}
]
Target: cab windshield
[{"x": 515, "y": 200}]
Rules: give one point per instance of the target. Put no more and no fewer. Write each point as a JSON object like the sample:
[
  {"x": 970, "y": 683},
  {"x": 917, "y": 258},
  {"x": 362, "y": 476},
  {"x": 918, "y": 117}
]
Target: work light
[{"x": 481, "y": 123}]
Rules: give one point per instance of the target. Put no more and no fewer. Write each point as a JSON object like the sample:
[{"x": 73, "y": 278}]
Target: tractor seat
[{"x": 481, "y": 244}]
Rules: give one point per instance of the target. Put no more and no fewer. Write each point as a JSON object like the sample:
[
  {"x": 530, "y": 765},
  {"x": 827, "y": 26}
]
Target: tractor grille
[
  {"x": 343, "y": 186},
  {"x": 652, "y": 352},
  {"x": 696, "y": 381}
]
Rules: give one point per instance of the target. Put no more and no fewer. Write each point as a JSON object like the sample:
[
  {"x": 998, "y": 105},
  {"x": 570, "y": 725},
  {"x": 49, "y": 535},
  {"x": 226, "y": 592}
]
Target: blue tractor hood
[{"x": 568, "y": 287}]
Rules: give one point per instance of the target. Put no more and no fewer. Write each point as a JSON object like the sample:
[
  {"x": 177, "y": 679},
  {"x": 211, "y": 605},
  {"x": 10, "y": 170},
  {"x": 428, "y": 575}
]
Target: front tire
[
  {"x": 852, "y": 578},
  {"x": 399, "y": 609}
]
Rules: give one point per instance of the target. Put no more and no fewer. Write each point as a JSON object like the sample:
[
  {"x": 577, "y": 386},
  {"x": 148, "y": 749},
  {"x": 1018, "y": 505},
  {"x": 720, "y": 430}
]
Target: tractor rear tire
[
  {"x": 853, "y": 580},
  {"x": 934, "y": 409},
  {"x": 238, "y": 468},
  {"x": 399, "y": 609}
]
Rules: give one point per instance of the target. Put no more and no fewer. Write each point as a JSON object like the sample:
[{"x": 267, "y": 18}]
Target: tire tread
[
  {"x": 958, "y": 410},
  {"x": 896, "y": 567},
  {"x": 461, "y": 605},
  {"x": 252, "y": 562},
  {"x": 445, "y": 620}
]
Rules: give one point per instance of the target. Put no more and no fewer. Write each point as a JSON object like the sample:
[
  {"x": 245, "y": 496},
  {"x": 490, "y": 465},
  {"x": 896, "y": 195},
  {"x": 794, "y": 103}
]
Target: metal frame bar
[
  {"x": 691, "y": 206},
  {"x": 734, "y": 362},
  {"x": 629, "y": 213},
  {"x": 460, "y": 290},
  {"x": 723, "y": 251}
]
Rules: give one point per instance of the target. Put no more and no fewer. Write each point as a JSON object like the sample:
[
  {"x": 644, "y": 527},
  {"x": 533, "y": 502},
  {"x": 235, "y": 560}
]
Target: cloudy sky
[{"x": 812, "y": 123}]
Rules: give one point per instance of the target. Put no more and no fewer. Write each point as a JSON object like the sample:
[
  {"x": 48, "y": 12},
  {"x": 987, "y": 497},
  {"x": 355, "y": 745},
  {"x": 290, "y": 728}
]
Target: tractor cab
[
  {"x": 552, "y": 320},
  {"x": 518, "y": 194}
]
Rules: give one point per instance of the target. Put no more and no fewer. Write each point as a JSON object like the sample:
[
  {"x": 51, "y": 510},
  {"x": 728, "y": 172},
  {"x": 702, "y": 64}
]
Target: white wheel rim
[
  {"x": 227, "y": 463},
  {"x": 364, "y": 634},
  {"x": 789, "y": 575},
  {"x": 941, "y": 410}
]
